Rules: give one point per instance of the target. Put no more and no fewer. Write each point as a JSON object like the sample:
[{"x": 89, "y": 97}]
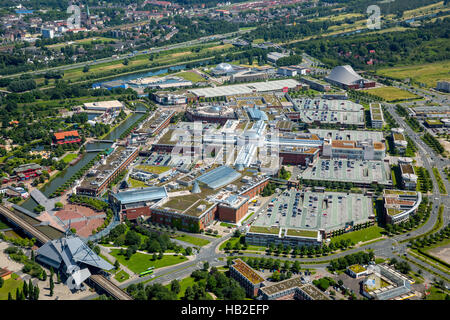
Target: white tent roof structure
[{"x": 344, "y": 74}]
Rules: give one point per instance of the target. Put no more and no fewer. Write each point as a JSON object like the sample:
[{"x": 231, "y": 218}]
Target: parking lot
[
  {"x": 157, "y": 160},
  {"x": 357, "y": 171},
  {"x": 313, "y": 210}
]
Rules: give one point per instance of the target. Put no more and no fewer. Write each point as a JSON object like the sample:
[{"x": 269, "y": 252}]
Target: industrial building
[
  {"x": 221, "y": 91},
  {"x": 399, "y": 205},
  {"x": 346, "y": 78},
  {"x": 112, "y": 105}
]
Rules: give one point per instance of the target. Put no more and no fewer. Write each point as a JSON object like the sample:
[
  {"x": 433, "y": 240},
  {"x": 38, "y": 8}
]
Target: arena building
[{"x": 346, "y": 78}]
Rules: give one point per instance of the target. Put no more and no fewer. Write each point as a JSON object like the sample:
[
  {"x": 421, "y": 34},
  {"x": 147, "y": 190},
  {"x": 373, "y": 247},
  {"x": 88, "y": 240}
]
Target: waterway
[{"x": 65, "y": 175}]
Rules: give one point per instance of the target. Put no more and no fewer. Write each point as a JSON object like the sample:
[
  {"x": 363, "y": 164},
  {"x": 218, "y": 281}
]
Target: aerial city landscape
[{"x": 243, "y": 150}]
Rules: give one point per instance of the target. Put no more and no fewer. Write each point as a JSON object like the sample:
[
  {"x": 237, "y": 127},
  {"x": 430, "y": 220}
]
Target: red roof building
[{"x": 66, "y": 137}]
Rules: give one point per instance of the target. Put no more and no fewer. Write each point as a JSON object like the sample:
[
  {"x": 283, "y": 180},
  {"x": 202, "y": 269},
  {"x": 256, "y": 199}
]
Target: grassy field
[
  {"x": 69, "y": 157},
  {"x": 122, "y": 276},
  {"x": 194, "y": 240},
  {"x": 441, "y": 184},
  {"x": 190, "y": 76},
  {"x": 391, "y": 93},
  {"x": 133, "y": 183},
  {"x": 153, "y": 169},
  {"x": 140, "y": 262},
  {"x": 3, "y": 225},
  {"x": 362, "y": 235},
  {"x": 10, "y": 285},
  {"x": 249, "y": 247},
  {"x": 428, "y": 73},
  {"x": 436, "y": 294},
  {"x": 184, "y": 283}
]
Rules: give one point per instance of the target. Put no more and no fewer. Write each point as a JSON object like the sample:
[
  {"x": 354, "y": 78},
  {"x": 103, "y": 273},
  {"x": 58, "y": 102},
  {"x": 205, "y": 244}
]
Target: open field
[
  {"x": 10, "y": 285},
  {"x": 362, "y": 235},
  {"x": 81, "y": 41},
  {"x": 441, "y": 252},
  {"x": 121, "y": 276},
  {"x": 428, "y": 73},
  {"x": 391, "y": 93},
  {"x": 69, "y": 157},
  {"x": 194, "y": 240},
  {"x": 190, "y": 76},
  {"x": 140, "y": 262}
]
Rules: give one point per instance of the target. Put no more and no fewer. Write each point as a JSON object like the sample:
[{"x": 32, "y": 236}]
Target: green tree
[
  {"x": 52, "y": 286},
  {"x": 175, "y": 286}
]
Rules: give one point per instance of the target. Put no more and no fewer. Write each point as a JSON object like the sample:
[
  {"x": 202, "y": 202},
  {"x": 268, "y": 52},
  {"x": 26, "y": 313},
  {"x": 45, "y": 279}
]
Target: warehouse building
[{"x": 112, "y": 105}]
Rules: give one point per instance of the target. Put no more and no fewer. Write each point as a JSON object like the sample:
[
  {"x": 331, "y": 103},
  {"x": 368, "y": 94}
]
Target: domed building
[{"x": 224, "y": 69}]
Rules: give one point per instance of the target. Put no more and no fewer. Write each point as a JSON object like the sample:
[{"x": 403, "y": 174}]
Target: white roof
[{"x": 344, "y": 74}]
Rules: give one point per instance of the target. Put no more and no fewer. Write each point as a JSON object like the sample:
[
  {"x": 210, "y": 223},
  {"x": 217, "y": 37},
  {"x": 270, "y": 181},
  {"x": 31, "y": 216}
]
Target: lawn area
[
  {"x": 4, "y": 225},
  {"x": 153, "y": 169},
  {"x": 360, "y": 235},
  {"x": 249, "y": 247},
  {"x": 429, "y": 73},
  {"x": 140, "y": 262},
  {"x": 228, "y": 225},
  {"x": 194, "y": 240},
  {"x": 184, "y": 283},
  {"x": 133, "y": 183},
  {"x": 190, "y": 76},
  {"x": 436, "y": 294},
  {"x": 391, "y": 93},
  {"x": 10, "y": 285},
  {"x": 69, "y": 157},
  {"x": 121, "y": 276}
]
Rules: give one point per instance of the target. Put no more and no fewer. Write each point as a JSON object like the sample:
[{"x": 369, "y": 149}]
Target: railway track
[
  {"x": 27, "y": 227},
  {"x": 110, "y": 287}
]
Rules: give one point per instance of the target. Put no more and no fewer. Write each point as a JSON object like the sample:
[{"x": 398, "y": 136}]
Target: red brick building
[{"x": 66, "y": 137}]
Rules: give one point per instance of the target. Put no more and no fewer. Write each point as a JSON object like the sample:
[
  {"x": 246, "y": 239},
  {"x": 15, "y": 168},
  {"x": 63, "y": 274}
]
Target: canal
[{"x": 65, "y": 175}]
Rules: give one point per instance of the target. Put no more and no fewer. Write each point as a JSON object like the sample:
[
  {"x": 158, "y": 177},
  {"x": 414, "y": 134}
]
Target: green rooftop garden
[
  {"x": 269, "y": 230},
  {"x": 302, "y": 233}
]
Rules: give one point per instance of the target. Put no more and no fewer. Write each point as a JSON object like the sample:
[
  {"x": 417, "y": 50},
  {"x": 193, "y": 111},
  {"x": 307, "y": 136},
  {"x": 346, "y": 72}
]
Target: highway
[{"x": 130, "y": 55}]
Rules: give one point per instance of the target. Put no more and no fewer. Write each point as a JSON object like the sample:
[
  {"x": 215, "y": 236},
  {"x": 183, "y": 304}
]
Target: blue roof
[
  {"x": 140, "y": 195},
  {"x": 256, "y": 114},
  {"x": 219, "y": 177}
]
